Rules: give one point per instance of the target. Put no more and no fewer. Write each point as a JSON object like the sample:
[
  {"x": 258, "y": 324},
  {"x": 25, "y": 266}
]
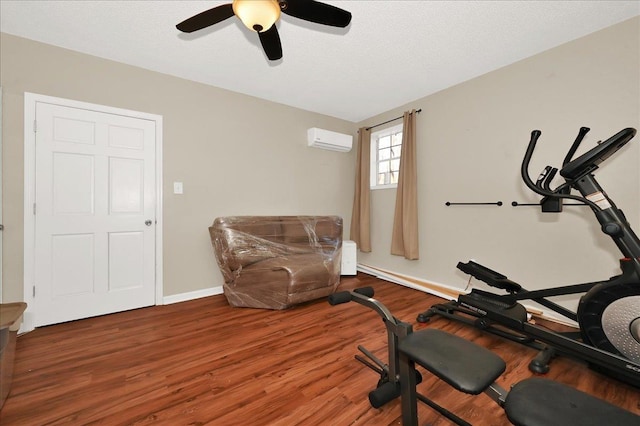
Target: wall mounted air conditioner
[{"x": 326, "y": 139}]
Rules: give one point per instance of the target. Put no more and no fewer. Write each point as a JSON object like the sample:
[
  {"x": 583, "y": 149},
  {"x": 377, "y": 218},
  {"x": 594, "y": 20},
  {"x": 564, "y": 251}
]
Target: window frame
[{"x": 374, "y": 161}]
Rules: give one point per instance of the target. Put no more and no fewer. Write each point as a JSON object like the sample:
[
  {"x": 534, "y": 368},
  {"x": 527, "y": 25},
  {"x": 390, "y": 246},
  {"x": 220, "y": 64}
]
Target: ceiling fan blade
[
  {"x": 206, "y": 18},
  {"x": 314, "y": 11},
  {"x": 270, "y": 41}
]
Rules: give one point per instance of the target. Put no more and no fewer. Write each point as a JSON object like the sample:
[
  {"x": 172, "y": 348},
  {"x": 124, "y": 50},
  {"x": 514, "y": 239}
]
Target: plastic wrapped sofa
[{"x": 275, "y": 262}]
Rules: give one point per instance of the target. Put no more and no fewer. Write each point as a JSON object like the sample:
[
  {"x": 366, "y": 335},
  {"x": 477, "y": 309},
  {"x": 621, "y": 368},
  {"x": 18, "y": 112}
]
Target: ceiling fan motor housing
[{"x": 257, "y": 15}]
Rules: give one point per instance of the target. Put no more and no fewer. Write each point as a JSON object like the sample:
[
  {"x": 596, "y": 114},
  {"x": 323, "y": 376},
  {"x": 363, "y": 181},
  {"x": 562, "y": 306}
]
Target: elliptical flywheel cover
[
  {"x": 621, "y": 325},
  {"x": 609, "y": 317}
]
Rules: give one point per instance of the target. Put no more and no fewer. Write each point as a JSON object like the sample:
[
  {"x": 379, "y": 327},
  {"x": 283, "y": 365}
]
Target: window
[{"x": 386, "y": 148}]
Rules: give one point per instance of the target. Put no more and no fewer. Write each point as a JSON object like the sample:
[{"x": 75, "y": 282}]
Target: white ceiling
[{"x": 392, "y": 53}]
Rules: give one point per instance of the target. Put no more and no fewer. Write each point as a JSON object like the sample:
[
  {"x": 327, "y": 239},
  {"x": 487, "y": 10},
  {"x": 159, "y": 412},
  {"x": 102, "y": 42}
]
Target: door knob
[{"x": 148, "y": 222}]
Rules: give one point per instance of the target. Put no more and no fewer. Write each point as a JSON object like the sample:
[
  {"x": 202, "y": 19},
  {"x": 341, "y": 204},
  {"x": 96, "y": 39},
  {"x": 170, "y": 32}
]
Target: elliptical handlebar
[
  {"x": 547, "y": 182},
  {"x": 537, "y": 187},
  {"x": 542, "y": 187},
  {"x": 589, "y": 161},
  {"x": 543, "y": 179},
  {"x": 574, "y": 147}
]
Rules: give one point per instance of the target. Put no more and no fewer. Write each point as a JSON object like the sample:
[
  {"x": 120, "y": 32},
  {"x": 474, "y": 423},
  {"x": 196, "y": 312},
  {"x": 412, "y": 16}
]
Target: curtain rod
[{"x": 389, "y": 121}]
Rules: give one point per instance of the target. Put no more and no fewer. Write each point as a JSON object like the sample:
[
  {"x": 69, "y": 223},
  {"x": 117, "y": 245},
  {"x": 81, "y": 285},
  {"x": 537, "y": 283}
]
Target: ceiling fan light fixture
[
  {"x": 261, "y": 16},
  {"x": 257, "y": 15}
]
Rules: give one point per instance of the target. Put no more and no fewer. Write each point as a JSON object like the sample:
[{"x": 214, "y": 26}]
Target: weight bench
[{"x": 471, "y": 369}]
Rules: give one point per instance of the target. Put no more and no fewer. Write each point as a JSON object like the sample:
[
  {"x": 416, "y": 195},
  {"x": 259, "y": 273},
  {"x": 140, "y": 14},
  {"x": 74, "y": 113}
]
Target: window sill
[{"x": 393, "y": 186}]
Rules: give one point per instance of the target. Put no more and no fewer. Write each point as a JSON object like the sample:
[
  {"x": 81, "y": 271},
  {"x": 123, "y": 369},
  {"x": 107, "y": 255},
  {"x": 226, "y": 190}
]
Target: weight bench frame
[{"x": 473, "y": 369}]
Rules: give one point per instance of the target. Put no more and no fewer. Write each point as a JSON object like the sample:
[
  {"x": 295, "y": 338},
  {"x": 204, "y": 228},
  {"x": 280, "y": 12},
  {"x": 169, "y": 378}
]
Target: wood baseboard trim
[
  {"x": 437, "y": 289},
  {"x": 450, "y": 293}
]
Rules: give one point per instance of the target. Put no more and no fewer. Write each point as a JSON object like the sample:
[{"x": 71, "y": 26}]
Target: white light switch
[{"x": 177, "y": 188}]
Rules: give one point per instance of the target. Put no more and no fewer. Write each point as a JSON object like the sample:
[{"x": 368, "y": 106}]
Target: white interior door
[{"x": 95, "y": 204}]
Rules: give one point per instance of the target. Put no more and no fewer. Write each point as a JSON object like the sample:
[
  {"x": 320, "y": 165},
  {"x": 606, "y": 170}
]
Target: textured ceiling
[{"x": 393, "y": 52}]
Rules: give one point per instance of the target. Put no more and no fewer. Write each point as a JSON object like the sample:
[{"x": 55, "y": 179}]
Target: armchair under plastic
[{"x": 275, "y": 262}]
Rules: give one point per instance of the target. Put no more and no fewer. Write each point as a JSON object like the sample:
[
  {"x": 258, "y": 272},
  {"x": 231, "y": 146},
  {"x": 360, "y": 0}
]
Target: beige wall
[
  {"x": 235, "y": 154},
  {"x": 471, "y": 139}
]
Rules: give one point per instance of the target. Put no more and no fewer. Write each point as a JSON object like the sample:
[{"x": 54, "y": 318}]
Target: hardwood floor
[{"x": 203, "y": 362}]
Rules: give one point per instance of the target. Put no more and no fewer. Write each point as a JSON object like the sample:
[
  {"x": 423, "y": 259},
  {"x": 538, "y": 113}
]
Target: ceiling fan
[{"x": 261, "y": 15}]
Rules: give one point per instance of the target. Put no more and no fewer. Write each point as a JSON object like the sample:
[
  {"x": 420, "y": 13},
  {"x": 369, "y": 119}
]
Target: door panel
[
  {"x": 126, "y": 260},
  {"x": 94, "y": 191},
  {"x": 72, "y": 182},
  {"x": 126, "y": 186},
  {"x": 72, "y": 268}
]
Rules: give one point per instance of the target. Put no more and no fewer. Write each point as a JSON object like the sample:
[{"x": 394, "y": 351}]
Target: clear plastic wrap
[{"x": 275, "y": 262}]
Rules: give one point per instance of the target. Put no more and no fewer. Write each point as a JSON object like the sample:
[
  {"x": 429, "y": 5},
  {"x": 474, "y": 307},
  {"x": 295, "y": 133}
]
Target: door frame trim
[{"x": 30, "y": 101}]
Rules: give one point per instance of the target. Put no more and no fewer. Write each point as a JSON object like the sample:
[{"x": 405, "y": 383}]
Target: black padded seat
[
  {"x": 543, "y": 402},
  {"x": 462, "y": 364}
]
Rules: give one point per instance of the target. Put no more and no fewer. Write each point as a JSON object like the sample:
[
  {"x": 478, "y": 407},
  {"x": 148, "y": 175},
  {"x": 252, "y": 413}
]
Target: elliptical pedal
[{"x": 487, "y": 299}]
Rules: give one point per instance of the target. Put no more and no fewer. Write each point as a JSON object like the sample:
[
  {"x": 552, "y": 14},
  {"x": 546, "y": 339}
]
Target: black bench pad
[
  {"x": 462, "y": 364},
  {"x": 542, "y": 402}
]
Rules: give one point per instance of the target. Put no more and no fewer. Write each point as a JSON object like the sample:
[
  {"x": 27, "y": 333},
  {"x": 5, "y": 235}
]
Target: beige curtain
[
  {"x": 360, "y": 223},
  {"x": 404, "y": 240}
]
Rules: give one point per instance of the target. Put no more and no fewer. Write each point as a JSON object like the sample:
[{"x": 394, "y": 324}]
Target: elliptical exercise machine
[{"x": 609, "y": 311}]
